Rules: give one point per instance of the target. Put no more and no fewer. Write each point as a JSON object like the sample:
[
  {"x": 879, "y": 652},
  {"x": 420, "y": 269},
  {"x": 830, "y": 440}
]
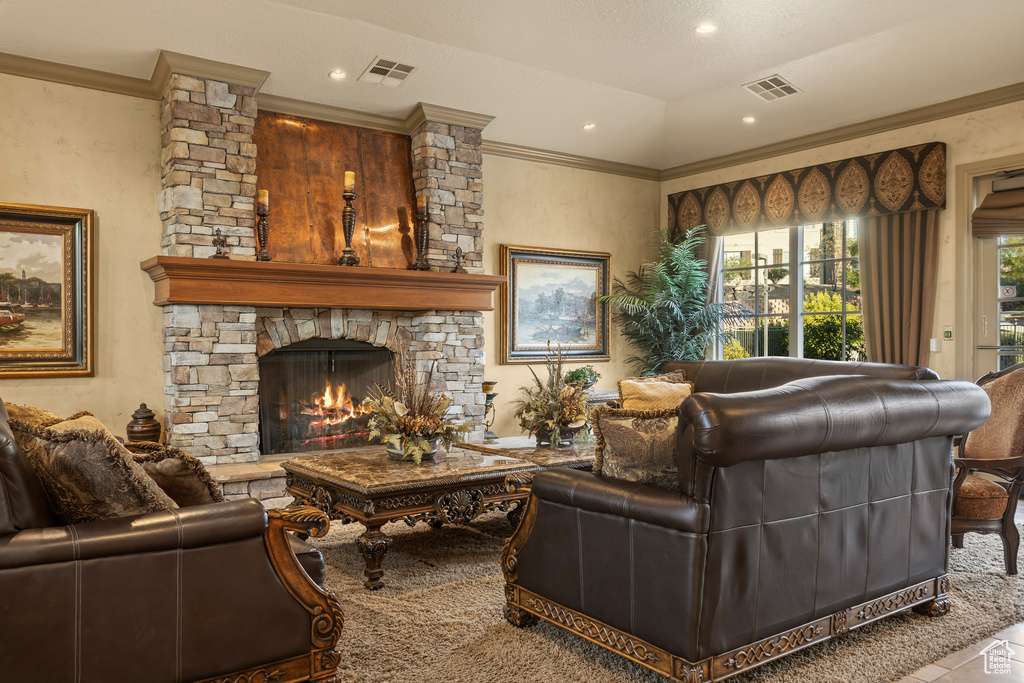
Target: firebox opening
[{"x": 312, "y": 393}]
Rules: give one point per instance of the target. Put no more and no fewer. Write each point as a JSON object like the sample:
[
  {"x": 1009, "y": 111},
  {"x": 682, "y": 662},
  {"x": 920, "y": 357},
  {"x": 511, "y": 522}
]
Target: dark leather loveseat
[
  {"x": 808, "y": 505},
  {"x": 204, "y": 593}
]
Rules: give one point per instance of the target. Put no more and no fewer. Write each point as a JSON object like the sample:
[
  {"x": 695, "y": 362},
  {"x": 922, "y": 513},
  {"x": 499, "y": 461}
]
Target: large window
[
  {"x": 1011, "y": 301},
  {"x": 793, "y": 292}
]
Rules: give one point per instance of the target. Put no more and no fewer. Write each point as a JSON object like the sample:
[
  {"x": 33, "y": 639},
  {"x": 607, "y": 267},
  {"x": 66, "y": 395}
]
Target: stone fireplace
[{"x": 222, "y": 316}]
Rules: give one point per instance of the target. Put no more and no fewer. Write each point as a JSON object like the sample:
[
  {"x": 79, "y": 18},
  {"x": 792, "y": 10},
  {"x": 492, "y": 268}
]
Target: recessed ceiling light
[
  {"x": 749, "y": 119},
  {"x": 589, "y": 126},
  {"x": 706, "y": 28},
  {"x": 337, "y": 74}
]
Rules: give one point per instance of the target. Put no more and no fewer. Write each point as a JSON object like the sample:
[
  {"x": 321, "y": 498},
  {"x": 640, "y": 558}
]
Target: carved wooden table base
[{"x": 361, "y": 485}]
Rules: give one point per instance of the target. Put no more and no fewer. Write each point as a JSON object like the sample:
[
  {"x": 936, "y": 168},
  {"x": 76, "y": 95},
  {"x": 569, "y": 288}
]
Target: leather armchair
[
  {"x": 204, "y": 593},
  {"x": 806, "y": 509}
]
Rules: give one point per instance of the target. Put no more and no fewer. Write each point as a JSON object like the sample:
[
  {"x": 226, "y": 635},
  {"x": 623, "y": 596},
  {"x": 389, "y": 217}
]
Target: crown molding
[
  {"x": 933, "y": 112},
  {"x": 168, "y": 63},
  {"x": 42, "y": 70},
  {"x": 330, "y": 112},
  {"x": 506, "y": 149},
  {"x": 424, "y": 112}
]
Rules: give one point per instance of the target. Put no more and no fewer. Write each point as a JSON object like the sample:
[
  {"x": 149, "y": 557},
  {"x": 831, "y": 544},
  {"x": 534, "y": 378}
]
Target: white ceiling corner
[{"x": 661, "y": 95}]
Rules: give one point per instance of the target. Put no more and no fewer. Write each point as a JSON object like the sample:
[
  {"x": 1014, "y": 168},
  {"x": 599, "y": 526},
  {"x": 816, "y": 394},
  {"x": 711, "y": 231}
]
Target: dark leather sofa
[
  {"x": 813, "y": 501},
  {"x": 204, "y": 593}
]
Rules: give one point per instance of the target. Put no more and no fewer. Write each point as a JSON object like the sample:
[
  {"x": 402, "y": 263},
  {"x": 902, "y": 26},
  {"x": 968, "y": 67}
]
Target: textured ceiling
[{"x": 660, "y": 94}]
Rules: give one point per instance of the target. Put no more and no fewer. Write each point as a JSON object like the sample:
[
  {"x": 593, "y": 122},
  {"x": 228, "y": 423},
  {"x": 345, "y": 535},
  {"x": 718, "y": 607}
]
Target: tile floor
[{"x": 973, "y": 665}]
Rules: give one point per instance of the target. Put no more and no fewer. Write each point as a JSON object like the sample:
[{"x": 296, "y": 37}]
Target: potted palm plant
[{"x": 663, "y": 310}]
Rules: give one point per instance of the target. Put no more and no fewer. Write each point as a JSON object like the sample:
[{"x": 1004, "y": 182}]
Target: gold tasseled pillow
[
  {"x": 87, "y": 473},
  {"x": 637, "y": 445},
  {"x": 649, "y": 395},
  {"x": 32, "y": 416}
]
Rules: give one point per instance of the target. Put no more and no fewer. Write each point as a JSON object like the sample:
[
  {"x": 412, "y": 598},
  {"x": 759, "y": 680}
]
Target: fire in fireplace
[{"x": 312, "y": 393}]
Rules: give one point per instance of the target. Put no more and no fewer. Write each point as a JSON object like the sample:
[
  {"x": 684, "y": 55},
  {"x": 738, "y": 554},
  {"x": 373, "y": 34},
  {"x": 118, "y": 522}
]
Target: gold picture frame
[
  {"x": 46, "y": 291},
  {"x": 553, "y": 295}
]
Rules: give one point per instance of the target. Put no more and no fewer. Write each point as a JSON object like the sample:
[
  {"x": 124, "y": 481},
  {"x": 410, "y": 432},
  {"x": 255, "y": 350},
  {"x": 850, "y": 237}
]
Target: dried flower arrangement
[
  {"x": 552, "y": 410},
  {"x": 410, "y": 419}
]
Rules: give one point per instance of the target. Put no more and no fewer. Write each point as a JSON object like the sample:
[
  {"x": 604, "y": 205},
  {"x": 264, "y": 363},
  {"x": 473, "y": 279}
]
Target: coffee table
[{"x": 363, "y": 485}]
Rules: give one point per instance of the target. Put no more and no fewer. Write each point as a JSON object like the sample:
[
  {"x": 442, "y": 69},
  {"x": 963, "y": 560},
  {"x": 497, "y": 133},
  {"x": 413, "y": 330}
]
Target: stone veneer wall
[
  {"x": 208, "y": 167},
  {"x": 211, "y": 352},
  {"x": 447, "y": 164},
  {"x": 214, "y": 374}
]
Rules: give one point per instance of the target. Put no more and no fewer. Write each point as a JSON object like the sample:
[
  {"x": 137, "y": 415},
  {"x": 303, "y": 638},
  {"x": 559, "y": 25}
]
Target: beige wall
[
  {"x": 970, "y": 138},
  {"x": 541, "y": 205},
  {"x": 67, "y": 146}
]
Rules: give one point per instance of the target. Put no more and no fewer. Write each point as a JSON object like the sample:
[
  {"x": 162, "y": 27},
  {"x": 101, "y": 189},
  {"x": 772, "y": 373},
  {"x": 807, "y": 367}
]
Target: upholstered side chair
[{"x": 996, "y": 448}]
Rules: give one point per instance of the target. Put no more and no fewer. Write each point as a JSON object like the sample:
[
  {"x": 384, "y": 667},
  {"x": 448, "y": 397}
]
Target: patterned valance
[{"x": 897, "y": 181}]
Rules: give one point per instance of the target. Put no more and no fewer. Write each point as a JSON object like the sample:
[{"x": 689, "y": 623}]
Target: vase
[
  {"x": 565, "y": 437},
  {"x": 403, "y": 453}
]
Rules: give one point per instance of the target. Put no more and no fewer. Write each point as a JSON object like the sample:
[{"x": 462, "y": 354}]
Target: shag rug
[{"x": 439, "y": 618}]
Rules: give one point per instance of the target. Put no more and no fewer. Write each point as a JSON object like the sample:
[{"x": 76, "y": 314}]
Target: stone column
[
  {"x": 208, "y": 166},
  {"x": 447, "y": 165}
]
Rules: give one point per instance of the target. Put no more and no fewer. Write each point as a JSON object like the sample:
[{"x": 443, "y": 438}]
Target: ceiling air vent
[
  {"x": 386, "y": 72},
  {"x": 772, "y": 88}
]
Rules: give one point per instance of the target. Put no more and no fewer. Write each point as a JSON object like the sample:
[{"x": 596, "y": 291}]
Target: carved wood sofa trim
[{"x": 524, "y": 607}]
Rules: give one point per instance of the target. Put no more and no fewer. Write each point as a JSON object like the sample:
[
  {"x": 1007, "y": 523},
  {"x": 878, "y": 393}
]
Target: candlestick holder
[
  {"x": 348, "y": 223},
  {"x": 421, "y": 232},
  {"x": 262, "y": 232}
]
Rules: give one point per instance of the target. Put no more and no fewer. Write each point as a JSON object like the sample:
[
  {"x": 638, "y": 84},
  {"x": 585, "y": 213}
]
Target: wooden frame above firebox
[{"x": 181, "y": 280}]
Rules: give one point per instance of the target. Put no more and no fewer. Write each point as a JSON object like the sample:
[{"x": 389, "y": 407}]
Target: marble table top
[{"x": 369, "y": 470}]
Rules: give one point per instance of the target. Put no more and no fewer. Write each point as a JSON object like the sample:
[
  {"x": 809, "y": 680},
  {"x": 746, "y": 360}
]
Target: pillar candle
[
  {"x": 350, "y": 181},
  {"x": 421, "y": 203},
  {"x": 263, "y": 200}
]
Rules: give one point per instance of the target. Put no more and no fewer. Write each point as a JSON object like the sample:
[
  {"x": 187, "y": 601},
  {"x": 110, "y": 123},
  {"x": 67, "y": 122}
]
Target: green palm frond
[{"x": 663, "y": 308}]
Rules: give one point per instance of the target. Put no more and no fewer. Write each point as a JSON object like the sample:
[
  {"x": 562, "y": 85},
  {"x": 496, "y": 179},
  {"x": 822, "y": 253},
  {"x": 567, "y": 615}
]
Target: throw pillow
[
  {"x": 88, "y": 475},
  {"x": 637, "y": 445},
  {"x": 180, "y": 475},
  {"x": 30, "y": 415},
  {"x": 649, "y": 395}
]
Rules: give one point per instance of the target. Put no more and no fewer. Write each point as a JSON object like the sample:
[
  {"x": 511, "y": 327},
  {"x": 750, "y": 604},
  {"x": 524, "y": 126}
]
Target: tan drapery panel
[
  {"x": 898, "y": 264},
  {"x": 1001, "y": 214}
]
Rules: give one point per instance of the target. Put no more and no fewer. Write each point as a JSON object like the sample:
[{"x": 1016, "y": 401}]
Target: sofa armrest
[
  {"x": 190, "y": 527},
  {"x": 824, "y": 414},
  {"x": 631, "y": 500}
]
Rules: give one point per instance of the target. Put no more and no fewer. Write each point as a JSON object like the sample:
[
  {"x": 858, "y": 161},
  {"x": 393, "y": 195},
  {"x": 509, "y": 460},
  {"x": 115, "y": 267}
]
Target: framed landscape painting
[
  {"x": 46, "y": 294},
  {"x": 552, "y": 296}
]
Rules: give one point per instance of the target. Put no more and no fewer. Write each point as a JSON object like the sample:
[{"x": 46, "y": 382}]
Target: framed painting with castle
[
  {"x": 552, "y": 297},
  {"x": 46, "y": 291}
]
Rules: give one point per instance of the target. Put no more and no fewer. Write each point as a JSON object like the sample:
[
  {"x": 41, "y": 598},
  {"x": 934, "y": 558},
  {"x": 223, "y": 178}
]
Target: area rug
[{"x": 439, "y": 618}]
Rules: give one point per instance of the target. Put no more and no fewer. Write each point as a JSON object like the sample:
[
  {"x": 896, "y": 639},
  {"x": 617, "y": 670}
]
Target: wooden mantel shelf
[{"x": 180, "y": 280}]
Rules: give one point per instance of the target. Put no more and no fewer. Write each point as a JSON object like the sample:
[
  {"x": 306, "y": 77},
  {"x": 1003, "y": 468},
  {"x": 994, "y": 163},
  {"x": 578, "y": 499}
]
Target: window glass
[{"x": 765, "y": 286}]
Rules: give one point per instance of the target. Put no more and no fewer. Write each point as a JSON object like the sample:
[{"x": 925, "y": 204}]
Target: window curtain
[{"x": 898, "y": 265}]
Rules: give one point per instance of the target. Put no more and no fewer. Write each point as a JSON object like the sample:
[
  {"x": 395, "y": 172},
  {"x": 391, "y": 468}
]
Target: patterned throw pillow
[
  {"x": 637, "y": 445},
  {"x": 87, "y": 473},
  {"x": 649, "y": 395},
  {"x": 180, "y": 475}
]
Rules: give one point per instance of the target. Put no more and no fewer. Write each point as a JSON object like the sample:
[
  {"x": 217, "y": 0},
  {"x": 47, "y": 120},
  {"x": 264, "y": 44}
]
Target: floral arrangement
[
  {"x": 410, "y": 419},
  {"x": 551, "y": 409}
]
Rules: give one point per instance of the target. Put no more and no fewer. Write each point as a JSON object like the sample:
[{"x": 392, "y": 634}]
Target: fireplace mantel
[{"x": 181, "y": 280}]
